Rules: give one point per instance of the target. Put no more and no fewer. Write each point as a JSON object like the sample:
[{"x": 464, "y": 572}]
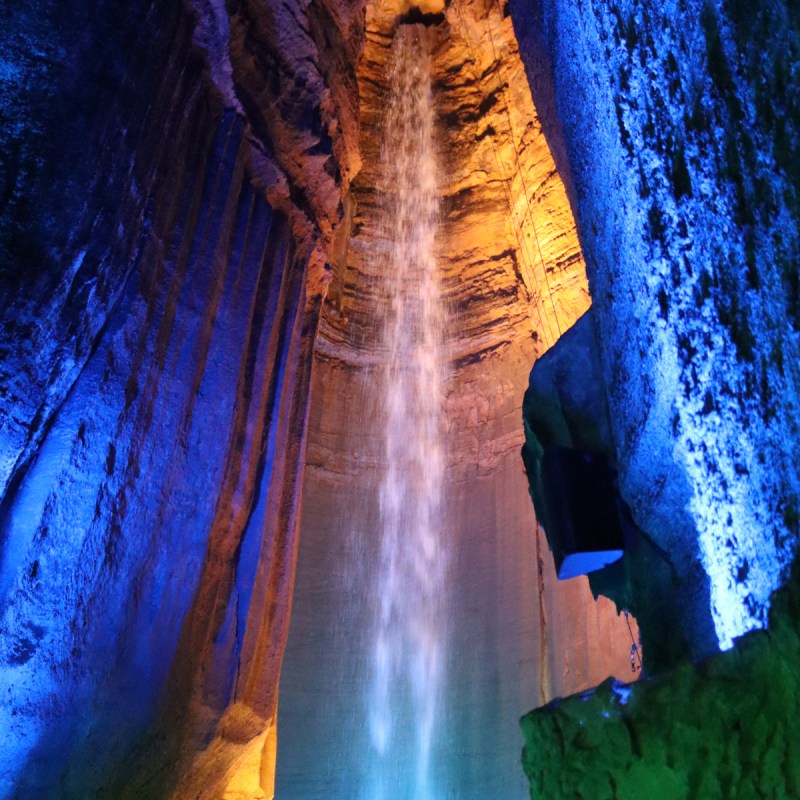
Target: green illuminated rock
[{"x": 728, "y": 727}]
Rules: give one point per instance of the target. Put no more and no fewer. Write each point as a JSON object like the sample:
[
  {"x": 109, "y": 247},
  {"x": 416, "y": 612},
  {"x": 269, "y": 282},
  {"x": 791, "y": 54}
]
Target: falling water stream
[
  {"x": 424, "y": 620},
  {"x": 407, "y": 661}
]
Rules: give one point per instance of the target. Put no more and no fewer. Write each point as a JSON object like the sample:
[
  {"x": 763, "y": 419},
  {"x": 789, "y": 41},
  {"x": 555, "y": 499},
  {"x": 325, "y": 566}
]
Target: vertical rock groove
[{"x": 156, "y": 341}]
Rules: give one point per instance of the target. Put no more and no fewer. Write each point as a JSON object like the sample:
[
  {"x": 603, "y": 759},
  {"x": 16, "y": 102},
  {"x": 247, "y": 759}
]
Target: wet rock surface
[
  {"x": 727, "y": 727},
  {"x": 177, "y": 192},
  {"x": 566, "y": 406},
  {"x": 163, "y": 265},
  {"x": 679, "y": 138},
  {"x": 514, "y": 280}
]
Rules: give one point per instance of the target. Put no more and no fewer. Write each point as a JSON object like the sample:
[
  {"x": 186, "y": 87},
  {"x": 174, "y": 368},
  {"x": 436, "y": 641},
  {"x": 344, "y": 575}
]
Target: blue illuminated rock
[
  {"x": 678, "y": 135},
  {"x": 166, "y": 210}
]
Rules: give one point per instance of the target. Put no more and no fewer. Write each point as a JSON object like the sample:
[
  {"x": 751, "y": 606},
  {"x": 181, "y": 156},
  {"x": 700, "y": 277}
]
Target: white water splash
[{"x": 409, "y": 635}]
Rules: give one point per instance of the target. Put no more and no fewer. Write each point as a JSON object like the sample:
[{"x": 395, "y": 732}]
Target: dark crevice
[{"x": 417, "y": 17}]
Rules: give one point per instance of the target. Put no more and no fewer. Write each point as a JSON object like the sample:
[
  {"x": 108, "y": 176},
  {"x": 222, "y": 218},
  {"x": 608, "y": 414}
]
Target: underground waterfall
[
  {"x": 199, "y": 392},
  {"x": 426, "y": 617},
  {"x": 410, "y": 579}
]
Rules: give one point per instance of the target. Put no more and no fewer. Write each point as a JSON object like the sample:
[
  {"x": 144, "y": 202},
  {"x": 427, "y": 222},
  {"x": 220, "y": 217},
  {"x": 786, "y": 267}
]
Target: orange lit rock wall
[
  {"x": 514, "y": 279},
  {"x": 180, "y": 186}
]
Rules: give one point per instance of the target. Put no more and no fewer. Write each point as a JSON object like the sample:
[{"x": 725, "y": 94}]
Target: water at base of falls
[{"x": 409, "y": 636}]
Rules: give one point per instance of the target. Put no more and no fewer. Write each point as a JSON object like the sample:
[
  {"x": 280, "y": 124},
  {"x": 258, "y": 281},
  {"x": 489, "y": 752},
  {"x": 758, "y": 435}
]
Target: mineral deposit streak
[{"x": 409, "y": 636}]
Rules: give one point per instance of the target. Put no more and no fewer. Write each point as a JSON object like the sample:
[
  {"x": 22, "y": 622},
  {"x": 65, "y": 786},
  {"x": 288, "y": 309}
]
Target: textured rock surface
[
  {"x": 171, "y": 181},
  {"x": 175, "y": 179},
  {"x": 681, "y": 141},
  {"x": 517, "y": 636},
  {"x": 566, "y": 405},
  {"x": 726, "y": 728}
]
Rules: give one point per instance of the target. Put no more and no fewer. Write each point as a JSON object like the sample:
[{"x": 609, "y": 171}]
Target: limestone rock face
[
  {"x": 681, "y": 141},
  {"x": 566, "y": 406},
  {"x": 171, "y": 185},
  {"x": 178, "y": 187},
  {"x": 514, "y": 280}
]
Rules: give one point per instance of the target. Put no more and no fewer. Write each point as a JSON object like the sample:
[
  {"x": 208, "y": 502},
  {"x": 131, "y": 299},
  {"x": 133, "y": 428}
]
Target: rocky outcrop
[
  {"x": 727, "y": 727},
  {"x": 172, "y": 184},
  {"x": 566, "y": 406},
  {"x": 680, "y": 142}
]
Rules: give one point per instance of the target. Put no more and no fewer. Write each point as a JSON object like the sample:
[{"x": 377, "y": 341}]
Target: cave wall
[
  {"x": 175, "y": 196},
  {"x": 172, "y": 179},
  {"x": 677, "y": 132}
]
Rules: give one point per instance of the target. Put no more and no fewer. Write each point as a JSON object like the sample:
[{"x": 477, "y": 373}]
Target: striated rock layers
[
  {"x": 178, "y": 185},
  {"x": 514, "y": 280},
  {"x": 172, "y": 182}
]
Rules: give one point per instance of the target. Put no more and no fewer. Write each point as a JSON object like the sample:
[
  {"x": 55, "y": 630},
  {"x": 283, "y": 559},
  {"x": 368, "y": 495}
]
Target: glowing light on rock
[{"x": 737, "y": 545}]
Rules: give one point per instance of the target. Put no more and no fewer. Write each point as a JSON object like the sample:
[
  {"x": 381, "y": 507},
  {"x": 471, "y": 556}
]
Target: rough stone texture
[
  {"x": 172, "y": 179},
  {"x": 509, "y": 225},
  {"x": 680, "y": 146},
  {"x": 175, "y": 179},
  {"x": 726, "y": 728},
  {"x": 517, "y": 635},
  {"x": 566, "y": 405}
]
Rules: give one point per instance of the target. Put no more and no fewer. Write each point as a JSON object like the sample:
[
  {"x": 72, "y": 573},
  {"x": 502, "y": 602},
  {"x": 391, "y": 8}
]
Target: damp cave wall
[
  {"x": 124, "y": 521},
  {"x": 515, "y": 636},
  {"x": 675, "y": 126},
  {"x": 724, "y": 728},
  {"x": 171, "y": 182}
]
